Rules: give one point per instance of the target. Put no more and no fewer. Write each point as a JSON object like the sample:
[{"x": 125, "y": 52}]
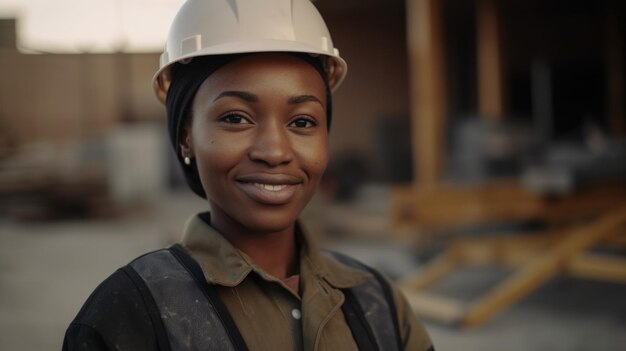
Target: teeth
[{"x": 270, "y": 187}]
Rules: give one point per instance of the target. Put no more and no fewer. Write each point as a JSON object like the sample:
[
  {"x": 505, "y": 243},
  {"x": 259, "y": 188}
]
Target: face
[{"x": 259, "y": 138}]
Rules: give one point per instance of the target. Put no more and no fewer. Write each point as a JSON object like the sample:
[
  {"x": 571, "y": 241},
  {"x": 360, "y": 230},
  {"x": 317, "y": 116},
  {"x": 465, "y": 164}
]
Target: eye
[
  {"x": 303, "y": 122},
  {"x": 234, "y": 118}
]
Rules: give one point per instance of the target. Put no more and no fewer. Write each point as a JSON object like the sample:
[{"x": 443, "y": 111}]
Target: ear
[{"x": 186, "y": 140}]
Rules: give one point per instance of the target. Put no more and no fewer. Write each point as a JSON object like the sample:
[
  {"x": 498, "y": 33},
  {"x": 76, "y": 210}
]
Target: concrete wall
[{"x": 68, "y": 97}]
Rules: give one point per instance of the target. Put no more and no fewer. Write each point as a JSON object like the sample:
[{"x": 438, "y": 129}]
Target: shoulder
[
  {"x": 412, "y": 334},
  {"x": 370, "y": 274},
  {"x": 119, "y": 314},
  {"x": 109, "y": 298}
]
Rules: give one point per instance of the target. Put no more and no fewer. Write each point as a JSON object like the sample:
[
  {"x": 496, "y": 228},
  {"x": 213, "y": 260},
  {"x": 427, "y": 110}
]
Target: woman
[{"x": 247, "y": 86}]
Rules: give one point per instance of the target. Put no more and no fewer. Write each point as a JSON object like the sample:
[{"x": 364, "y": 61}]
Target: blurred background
[{"x": 478, "y": 157}]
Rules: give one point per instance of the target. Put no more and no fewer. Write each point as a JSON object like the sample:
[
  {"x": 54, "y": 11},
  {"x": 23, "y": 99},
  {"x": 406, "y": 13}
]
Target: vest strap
[
  {"x": 151, "y": 308},
  {"x": 392, "y": 304},
  {"x": 361, "y": 330},
  {"x": 211, "y": 294},
  {"x": 378, "y": 309},
  {"x": 190, "y": 318}
]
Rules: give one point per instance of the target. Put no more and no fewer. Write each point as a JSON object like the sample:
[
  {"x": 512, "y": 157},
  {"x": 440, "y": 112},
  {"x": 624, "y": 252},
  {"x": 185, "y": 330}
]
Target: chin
[{"x": 270, "y": 221}]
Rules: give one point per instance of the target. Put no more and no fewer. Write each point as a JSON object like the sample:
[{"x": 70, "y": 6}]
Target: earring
[{"x": 187, "y": 160}]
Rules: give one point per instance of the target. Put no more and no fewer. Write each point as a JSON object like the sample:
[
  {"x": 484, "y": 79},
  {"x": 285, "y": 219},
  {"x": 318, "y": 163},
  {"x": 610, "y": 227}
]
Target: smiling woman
[
  {"x": 259, "y": 138},
  {"x": 249, "y": 110}
]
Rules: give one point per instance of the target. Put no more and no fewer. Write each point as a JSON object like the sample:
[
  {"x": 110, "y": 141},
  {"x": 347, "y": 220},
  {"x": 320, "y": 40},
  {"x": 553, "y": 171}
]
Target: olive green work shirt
[{"x": 272, "y": 317}]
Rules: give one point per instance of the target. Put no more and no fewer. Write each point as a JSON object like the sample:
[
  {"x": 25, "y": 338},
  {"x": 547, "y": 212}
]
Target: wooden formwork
[{"x": 577, "y": 223}]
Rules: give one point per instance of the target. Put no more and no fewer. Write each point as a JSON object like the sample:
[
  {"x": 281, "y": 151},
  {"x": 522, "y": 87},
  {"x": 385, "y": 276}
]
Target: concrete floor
[{"x": 47, "y": 270}]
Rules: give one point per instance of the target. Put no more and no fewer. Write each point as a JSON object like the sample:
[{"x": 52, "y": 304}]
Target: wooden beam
[
  {"x": 514, "y": 251},
  {"x": 537, "y": 271},
  {"x": 510, "y": 254},
  {"x": 435, "y": 307},
  {"x": 618, "y": 241},
  {"x": 445, "y": 207},
  {"x": 534, "y": 259},
  {"x": 490, "y": 66},
  {"x": 598, "y": 267},
  {"x": 427, "y": 89},
  {"x": 436, "y": 270}
]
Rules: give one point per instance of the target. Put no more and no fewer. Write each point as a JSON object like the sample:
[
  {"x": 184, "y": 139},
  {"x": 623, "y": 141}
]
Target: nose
[{"x": 271, "y": 145}]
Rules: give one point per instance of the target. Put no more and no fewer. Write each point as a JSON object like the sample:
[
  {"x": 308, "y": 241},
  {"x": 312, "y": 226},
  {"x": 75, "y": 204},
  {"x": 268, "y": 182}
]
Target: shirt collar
[{"x": 224, "y": 264}]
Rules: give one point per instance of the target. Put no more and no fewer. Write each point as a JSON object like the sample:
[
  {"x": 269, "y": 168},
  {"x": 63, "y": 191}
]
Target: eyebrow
[
  {"x": 253, "y": 98},
  {"x": 238, "y": 94},
  {"x": 303, "y": 98}
]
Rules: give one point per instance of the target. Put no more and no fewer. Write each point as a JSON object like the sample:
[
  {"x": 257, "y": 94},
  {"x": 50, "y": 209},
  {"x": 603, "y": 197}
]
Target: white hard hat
[{"x": 215, "y": 27}]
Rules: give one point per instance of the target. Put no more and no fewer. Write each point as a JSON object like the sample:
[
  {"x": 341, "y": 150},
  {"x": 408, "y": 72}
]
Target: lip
[{"x": 267, "y": 188}]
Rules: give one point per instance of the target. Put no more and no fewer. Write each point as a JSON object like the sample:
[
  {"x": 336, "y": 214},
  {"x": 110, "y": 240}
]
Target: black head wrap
[{"x": 186, "y": 79}]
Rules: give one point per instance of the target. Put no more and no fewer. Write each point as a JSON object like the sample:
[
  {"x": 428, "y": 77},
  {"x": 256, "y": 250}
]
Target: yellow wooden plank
[
  {"x": 449, "y": 207},
  {"x": 618, "y": 241},
  {"x": 588, "y": 266},
  {"x": 435, "y": 307},
  {"x": 507, "y": 249},
  {"x": 489, "y": 56},
  {"x": 598, "y": 267},
  {"x": 427, "y": 88},
  {"x": 434, "y": 271},
  {"x": 539, "y": 270}
]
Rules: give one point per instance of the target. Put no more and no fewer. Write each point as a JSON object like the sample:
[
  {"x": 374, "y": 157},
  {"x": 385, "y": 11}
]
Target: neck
[{"x": 275, "y": 252}]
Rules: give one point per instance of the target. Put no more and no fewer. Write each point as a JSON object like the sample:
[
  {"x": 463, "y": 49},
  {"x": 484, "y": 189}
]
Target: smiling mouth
[{"x": 270, "y": 187}]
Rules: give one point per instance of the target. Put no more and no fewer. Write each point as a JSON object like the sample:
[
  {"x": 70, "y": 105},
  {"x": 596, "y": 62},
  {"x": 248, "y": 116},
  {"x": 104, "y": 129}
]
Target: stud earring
[{"x": 187, "y": 160}]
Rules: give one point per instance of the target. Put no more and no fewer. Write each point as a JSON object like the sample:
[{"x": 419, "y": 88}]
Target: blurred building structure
[
  {"x": 485, "y": 87},
  {"x": 519, "y": 90},
  {"x": 554, "y": 66},
  {"x": 60, "y": 97},
  {"x": 543, "y": 82},
  {"x": 58, "y": 113}
]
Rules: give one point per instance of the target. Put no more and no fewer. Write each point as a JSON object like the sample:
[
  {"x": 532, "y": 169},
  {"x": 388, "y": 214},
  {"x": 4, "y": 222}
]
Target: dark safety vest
[{"x": 174, "y": 284}]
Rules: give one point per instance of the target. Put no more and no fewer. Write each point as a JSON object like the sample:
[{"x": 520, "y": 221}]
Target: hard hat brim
[{"x": 336, "y": 66}]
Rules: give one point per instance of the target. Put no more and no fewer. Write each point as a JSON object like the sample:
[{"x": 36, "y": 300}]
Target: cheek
[
  {"x": 315, "y": 157},
  {"x": 215, "y": 156},
  {"x": 210, "y": 144}
]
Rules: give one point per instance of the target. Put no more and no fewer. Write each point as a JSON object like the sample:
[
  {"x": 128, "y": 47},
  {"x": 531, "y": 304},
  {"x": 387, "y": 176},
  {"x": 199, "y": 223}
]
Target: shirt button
[{"x": 295, "y": 313}]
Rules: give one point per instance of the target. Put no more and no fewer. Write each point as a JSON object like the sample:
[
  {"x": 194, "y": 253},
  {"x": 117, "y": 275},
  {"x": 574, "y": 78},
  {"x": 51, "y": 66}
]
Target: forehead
[{"x": 270, "y": 72}]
